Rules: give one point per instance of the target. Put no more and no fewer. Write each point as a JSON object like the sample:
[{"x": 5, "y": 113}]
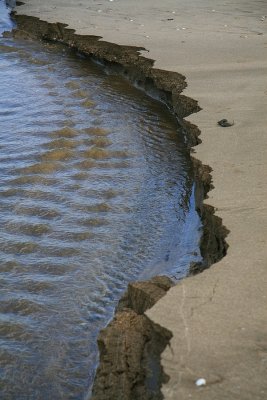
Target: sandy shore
[{"x": 218, "y": 318}]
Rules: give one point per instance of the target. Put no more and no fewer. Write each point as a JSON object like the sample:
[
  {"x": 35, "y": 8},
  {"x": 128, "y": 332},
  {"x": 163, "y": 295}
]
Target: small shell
[{"x": 200, "y": 382}]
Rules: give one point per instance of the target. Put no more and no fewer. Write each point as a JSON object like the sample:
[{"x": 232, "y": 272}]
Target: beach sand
[{"x": 218, "y": 318}]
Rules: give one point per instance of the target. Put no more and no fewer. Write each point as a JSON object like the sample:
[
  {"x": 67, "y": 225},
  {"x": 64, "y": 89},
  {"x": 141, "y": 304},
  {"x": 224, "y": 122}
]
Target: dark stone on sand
[{"x": 225, "y": 123}]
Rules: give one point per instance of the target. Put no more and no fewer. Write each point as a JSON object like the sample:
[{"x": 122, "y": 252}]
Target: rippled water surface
[{"x": 95, "y": 191}]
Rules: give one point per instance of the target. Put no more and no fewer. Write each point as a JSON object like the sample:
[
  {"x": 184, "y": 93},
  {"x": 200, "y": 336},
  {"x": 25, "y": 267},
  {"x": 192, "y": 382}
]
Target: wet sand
[{"x": 218, "y": 318}]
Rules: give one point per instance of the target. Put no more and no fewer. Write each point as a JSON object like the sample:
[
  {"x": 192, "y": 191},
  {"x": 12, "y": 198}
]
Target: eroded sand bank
[{"x": 218, "y": 318}]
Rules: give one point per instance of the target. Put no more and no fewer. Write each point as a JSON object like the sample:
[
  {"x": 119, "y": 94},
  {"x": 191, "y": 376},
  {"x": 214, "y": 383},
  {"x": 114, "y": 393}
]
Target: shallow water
[{"x": 95, "y": 191}]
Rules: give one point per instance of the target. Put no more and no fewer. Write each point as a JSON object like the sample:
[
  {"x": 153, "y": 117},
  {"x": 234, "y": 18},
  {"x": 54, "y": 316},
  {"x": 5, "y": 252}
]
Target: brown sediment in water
[
  {"x": 31, "y": 179},
  {"x": 21, "y": 248},
  {"x": 57, "y": 155},
  {"x": 100, "y": 142},
  {"x": 131, "y": 345},
  {"x": 86, "y": 164},
  {"x": 88, "y": 103},
  {"x": 101, "y": 207},
  {"x": 29, "y": 229},
  {"x": 96, "y": 131},
  {"x": 79, "y": 94},
  {"x": 65, "y": 132},
  {"x": 44, "y": 213},
  {"x": 97, "y": 153},
  {"x": 42, "y": 168},
  {"x": 60, "y": 144},
  {"x": 94, "y": 222},
  {"x": 73, "y": 85}
]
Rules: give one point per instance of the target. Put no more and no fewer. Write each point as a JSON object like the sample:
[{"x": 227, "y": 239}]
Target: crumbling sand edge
[{"x": 169, "y": 85}]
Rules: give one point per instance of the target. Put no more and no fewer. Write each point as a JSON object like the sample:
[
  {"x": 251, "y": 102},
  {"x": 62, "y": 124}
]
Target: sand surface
[{"x": 218, "y": 318}]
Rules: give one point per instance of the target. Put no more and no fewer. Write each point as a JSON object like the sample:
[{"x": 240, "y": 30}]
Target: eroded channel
[{"x": 96, "y": 191}]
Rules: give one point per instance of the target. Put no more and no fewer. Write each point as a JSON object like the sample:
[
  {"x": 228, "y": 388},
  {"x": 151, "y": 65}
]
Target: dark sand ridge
[{"x": 218, "y": 318}]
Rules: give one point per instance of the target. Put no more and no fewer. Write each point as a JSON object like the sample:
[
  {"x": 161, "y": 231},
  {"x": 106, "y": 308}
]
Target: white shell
[{"x": 201, "y": 382}]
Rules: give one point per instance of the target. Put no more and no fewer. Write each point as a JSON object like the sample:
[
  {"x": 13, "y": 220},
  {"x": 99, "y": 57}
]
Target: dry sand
[{"x": 218, "y": 318}]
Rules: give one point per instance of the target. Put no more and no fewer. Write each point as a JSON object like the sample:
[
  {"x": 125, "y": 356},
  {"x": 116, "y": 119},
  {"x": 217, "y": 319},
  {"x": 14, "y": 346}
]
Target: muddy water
[{"x": 95, "y": 191}]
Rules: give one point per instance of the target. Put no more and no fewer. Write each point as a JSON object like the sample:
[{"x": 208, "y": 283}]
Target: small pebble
[
  {"x": 201, "y": 382},
  {"x": 225, "y": 123}
]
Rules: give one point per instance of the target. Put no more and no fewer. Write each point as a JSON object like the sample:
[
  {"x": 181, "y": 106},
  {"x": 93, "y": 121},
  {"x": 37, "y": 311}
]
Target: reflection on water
[
  {"x": 5, "y": 22},
  {"x": 95, "y": 192}
]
